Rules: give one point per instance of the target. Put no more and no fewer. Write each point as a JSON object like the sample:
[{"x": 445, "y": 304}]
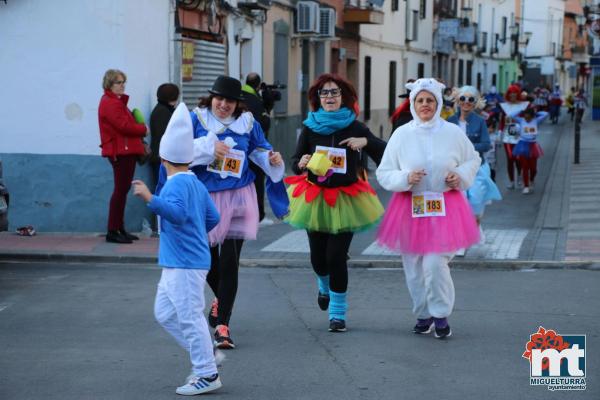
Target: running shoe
[
  {"x": 423, "y": 326},
  {"x": 198, "y": 385},
  {"x": 442, "y": 333},
  {"x": 337, "y": 325},
  {"x": 222, "y": 338},
  {"x": 323, "y": 301},
  {"x": 526, "y": 190},
  {"x": 510, "y": 185}
]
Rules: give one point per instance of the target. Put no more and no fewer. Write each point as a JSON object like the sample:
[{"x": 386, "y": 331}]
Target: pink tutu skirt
[
  {"x": 400, "y": 232},
  {"x": 239, "y": 215}
]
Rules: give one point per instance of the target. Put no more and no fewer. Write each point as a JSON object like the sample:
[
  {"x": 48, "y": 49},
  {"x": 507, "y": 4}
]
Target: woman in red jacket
[{"x": 121, "y": 142}]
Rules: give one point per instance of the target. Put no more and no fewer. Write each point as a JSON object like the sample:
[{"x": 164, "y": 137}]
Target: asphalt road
[{"x": 76, "y": 331}]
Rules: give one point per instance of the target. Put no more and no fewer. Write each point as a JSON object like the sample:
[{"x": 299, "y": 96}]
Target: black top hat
[{"x": 228, "y": 87}]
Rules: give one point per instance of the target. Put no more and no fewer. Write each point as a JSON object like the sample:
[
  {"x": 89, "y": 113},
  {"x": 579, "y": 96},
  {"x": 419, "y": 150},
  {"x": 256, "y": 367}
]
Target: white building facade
[
  {"x": 545, "y": 20},
  {"x": 392, "y": 53},
  {"x": 53, "y": 58}
]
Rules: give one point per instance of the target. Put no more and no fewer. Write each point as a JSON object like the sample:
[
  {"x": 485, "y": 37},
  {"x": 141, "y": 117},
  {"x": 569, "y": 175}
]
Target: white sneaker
[
  {"x": 481, "y": 235},
  {"x": 266, "y": 222},
  {"x": 199, "y": 385},
  {"x": 510, "y": 185},
  {"x": 460, "y": 252},
  {"x": 526, "y": 190},
  {"x": 519, "y": 183}
]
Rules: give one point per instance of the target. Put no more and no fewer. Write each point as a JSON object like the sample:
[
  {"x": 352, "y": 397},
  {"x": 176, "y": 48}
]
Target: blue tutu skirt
[
  {"x": 527, "y": 150},
  {"x": 483, "y": 191}
]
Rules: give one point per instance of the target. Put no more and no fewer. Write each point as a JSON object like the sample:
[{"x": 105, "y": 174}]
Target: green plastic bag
[{"x": 138, "y": 116}]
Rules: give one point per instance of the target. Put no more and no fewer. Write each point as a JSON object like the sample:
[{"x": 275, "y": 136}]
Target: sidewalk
[{"x": 559, "y": 224}]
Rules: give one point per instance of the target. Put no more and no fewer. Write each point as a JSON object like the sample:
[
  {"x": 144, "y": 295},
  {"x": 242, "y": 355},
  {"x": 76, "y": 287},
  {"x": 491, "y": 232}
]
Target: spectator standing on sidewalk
[
  {"x": 187, "y": 213},
  {"x": 483, "y": 190},
  {"x": 121, "y": 142},
  {"x": 426, "y": 164},
  {"x": 528, "y": 150},
  {"x": 332, "y": 202},
  {"x": 255, "y": 104},
  {"x": 226, "y": 137},
  {"x": 167, "y": 95}
]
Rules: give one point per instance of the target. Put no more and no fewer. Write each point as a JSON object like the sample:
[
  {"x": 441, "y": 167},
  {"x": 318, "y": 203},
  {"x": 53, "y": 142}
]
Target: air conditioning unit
[
  {"x": 327, "y": 22},
  {"x": 307, "y": 17}
]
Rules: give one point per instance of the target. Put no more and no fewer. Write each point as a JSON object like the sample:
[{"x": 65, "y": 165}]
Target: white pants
[
  {"x": 179, "y": 308},
  {"x": 430, "y": 284}
]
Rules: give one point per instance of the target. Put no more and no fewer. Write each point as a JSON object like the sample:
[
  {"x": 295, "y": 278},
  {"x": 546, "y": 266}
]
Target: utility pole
[{"x": 578, "y": 117}]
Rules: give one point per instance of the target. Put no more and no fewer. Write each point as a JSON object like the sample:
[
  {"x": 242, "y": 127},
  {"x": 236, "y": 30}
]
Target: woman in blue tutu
[{"x": 483, "y": 190}]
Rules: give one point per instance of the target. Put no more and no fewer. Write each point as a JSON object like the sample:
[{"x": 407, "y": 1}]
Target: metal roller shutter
[{"x": 209, "y": 63}]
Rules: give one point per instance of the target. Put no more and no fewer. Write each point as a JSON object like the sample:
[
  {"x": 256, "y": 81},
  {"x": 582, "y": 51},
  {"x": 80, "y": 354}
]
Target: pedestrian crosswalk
[
  {"x": 500, "y": 244},
  {"x": 583, "y": 236}
]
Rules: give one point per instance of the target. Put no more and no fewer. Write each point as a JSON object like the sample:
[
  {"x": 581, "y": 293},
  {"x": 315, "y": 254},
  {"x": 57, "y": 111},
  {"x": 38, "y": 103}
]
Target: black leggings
[
  {"x": 328, "y": 256},
  {"x": 223, "y": 276}
]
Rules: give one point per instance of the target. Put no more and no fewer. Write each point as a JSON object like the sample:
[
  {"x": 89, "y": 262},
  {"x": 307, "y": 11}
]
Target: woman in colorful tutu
[
  {"x": 226, "y": 136},
  {"x": 427, "y": 163},
  {"x": 483, "y": 190},
  {"x": 527, "y": 150},
  {"x": 328, "y": 198}
]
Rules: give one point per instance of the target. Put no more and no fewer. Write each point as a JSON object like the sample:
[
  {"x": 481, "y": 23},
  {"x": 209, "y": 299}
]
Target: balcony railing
[{"x": 362, "y": 12}]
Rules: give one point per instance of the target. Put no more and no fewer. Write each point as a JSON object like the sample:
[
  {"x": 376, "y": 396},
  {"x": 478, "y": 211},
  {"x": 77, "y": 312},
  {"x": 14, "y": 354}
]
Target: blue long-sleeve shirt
[
  {"x": 476, "y": 131},
  {"x": 529, "y": 130},
  {"x": 187, "y": 213}
]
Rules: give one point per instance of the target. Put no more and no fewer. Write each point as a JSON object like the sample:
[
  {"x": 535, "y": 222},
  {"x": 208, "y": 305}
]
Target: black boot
[
  {"x": 116, "y": 237},
  {"x": 128, "y": 235}
]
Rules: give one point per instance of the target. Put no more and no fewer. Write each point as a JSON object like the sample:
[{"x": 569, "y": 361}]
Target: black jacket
[
  {"x": 256, "y": 107},
  {"x": 159, "y": 119},
  {"x": 309, "y": 140}
]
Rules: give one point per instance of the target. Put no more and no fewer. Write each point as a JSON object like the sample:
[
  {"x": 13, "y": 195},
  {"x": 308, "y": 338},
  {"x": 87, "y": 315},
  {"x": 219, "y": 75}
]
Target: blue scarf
[{"x": 326, "y": 122}]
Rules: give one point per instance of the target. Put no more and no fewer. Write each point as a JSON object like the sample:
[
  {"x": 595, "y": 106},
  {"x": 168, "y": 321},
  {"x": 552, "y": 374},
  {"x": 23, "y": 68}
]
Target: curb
[{"x": 493, "y": 265}]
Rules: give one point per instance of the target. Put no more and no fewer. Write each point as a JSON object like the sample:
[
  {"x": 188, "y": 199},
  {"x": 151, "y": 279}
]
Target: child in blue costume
[
  {"x": 225, "y": 138},
  {"x": 187, "y": 213}
]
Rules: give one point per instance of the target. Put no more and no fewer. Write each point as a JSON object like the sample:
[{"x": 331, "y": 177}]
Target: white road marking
[{"x": 293, "y": 242}]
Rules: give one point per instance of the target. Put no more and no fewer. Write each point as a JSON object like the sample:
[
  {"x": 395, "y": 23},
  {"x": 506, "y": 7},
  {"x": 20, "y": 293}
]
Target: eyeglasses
[
  {"x": 326, "y": 92},
  {"x": 469, "y": 99},
  {"x": 118, "y": 82}
]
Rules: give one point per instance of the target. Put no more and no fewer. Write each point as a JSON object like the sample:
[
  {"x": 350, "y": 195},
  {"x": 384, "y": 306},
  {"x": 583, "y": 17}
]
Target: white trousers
[
  {"x": 429, "y": 284},
  {"x": 179, "y": 308}
]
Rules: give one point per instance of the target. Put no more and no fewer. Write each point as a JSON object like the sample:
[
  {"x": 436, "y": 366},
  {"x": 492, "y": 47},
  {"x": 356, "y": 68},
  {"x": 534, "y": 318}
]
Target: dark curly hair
[
  {"x": 206, "y": 102},
  {"x": 349, "y": 96}
]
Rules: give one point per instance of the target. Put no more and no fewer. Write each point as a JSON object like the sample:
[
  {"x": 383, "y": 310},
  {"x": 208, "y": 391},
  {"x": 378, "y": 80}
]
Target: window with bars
[{"x": 423, "y": 9}]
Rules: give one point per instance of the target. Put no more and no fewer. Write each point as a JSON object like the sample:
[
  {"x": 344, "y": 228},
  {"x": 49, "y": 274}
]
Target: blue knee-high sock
[
  {"x": 337, "y": 305},
  {"x": 323, "y": 282}
]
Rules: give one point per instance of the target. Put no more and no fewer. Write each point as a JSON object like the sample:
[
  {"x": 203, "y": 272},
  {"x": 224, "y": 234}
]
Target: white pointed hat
[{"x": 177, "y": 144}]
